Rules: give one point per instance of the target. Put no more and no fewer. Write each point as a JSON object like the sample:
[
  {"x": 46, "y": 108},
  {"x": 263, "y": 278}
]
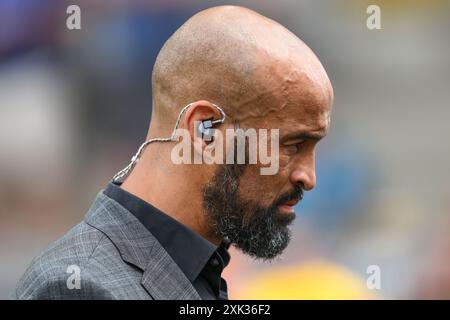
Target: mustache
[{"x": 296, "y": 193}]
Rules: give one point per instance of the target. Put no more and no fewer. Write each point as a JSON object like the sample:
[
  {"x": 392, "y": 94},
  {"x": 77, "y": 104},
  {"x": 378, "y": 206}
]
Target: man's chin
[
  {"x": 267, "y": 255},
  {"x": 284, "y": 218},
  {"x": 272, "y": 242}
]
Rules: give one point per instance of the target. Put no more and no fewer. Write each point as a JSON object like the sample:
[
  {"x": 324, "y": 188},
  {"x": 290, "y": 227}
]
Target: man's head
[{"x": 264, "y": 77}]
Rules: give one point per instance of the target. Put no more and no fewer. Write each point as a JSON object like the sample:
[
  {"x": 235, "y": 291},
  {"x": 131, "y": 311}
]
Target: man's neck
[{"x": 180, "y": 200}]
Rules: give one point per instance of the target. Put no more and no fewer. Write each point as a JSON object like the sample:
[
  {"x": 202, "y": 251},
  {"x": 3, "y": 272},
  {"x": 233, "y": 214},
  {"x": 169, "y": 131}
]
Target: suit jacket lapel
[{"x": 162, "y": 278}]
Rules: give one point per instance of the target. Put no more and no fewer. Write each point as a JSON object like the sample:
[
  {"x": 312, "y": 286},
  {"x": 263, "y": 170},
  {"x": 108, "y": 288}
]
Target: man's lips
[
  {"x": 288, "y": 206},
  {"x": 291, "y": 203},
  {"x": 291, "y": 200}
]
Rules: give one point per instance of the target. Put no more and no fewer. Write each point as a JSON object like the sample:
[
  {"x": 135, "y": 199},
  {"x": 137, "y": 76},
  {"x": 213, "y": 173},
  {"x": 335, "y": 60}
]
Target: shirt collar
[{"x": 190, "y": 251}]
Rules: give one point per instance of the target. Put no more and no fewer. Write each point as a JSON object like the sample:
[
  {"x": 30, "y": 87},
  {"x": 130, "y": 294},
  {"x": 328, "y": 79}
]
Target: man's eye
[{"x": 295, "y": 148}]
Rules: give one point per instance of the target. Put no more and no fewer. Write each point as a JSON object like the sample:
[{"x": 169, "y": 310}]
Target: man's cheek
[
  {"x": 252, "y": 185},
  {"x": 260, "y": 188},
  {"x": 283, "y": 163}
]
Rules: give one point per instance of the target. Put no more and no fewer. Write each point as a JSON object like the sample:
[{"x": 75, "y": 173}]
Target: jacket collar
[{"x": 162, "y": 278}]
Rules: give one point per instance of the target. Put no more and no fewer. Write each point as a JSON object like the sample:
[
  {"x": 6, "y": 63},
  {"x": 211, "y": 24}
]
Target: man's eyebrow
[{"x": 303, "y": 135}]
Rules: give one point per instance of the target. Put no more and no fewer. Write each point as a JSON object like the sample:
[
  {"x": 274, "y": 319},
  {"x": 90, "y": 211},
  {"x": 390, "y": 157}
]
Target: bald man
[{"x": 161, "y": 228}]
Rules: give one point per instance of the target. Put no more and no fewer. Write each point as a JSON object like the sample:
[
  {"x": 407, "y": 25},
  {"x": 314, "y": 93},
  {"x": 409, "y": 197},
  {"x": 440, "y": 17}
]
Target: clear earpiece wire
[{"x": 125, "y": 171}]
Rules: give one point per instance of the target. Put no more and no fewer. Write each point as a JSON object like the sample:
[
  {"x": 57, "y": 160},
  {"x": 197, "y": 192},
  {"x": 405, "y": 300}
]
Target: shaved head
[{"x": 234, "y": 57}]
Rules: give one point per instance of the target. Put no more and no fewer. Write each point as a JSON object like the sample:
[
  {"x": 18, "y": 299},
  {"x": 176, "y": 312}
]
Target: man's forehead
[
  {"x": 311, "y": 106},
  {"x": 313, "y": 126},
  {"x": 297, "y": 101},
  {"x": 301, "y": 116},
  {"x": 286, "y": 91}
]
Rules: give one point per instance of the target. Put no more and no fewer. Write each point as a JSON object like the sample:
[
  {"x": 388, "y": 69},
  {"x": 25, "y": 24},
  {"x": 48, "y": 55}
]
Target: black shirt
[{"x": 201, "y": 261}]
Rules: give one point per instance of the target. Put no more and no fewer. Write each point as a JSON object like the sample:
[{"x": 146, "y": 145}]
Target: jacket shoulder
[{"x": 59, "y": 271}]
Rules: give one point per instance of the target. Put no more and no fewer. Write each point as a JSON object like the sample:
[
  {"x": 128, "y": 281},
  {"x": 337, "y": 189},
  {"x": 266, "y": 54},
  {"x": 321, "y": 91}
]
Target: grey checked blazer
[{"x": 116, "y": 256}]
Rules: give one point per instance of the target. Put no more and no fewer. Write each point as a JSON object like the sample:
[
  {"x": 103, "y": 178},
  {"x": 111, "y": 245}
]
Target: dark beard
[{"x": 259, "y": 232}]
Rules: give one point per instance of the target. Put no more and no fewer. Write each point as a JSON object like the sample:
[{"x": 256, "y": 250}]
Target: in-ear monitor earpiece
[{"x": 204, "y": 130}]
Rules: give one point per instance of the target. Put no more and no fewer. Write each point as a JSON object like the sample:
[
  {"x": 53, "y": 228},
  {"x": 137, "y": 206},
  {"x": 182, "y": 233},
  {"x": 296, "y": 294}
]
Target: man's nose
[{"x": 304, "y": 175}]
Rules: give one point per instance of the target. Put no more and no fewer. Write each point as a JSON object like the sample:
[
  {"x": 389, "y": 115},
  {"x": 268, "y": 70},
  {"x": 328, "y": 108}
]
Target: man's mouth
[
  {"x": 290, "y": 200},
  {"x": 288, "y": 206}
]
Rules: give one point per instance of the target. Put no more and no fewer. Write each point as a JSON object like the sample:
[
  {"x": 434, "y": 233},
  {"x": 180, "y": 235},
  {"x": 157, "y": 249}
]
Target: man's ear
[{"x": 198, "y": 121}]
